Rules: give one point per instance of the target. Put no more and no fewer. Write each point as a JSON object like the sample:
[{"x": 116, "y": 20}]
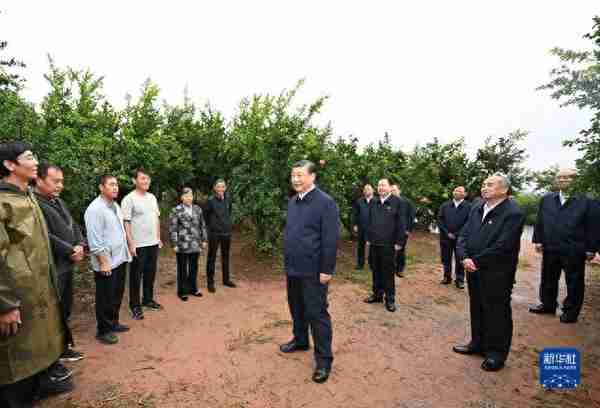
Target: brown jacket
[{"x": 27, "y": 282}]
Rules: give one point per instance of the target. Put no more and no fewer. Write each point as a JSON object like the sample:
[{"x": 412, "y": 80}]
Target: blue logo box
[{"x": 560, "y": 368}]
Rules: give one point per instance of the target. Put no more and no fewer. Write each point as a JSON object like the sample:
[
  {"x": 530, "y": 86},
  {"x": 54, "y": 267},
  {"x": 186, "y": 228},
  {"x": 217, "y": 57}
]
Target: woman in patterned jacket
[{"x": 187, "y": 231}]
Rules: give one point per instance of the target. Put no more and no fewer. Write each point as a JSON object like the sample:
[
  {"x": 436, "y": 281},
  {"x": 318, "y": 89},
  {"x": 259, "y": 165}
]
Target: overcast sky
[{"x": 417, "y": 70}]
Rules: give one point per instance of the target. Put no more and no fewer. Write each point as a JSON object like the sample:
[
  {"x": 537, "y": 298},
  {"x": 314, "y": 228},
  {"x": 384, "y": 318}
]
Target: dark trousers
[
  {"x": 65, "y": 290},
  {"x": 307, "y": 298},
  {"x": 187, "y": 273},
  {"x": 360, "y": 250},
  {"x": 574, "y": 266},
  {"x": 214, "y": 241},
  {"x": 19, "y": 394},
  {"x": 491, "y": 314},
  {"x": 109, "y": 295},
  {"x": 400, "y": 259},
  {"x": 447, "y": 250},
  {"x": 142, "y": 272},
  {"x": 382, "y": 264}
]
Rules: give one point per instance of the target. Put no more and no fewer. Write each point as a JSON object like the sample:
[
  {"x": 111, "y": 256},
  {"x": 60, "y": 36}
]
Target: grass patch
[
  {"x": 246, "y": 338},
  {"x": 278, "y": 323}
]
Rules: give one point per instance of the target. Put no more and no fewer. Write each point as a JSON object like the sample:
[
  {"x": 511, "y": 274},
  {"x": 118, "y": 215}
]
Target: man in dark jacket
[
  {"x": 360, "y": 221},
  {"x": 310, "y": 249},
  {"x": 452, "y": 217},
  {"x": 565, "y": 235},
  {"x": 400, "y": 257},
  {"x": 65, "y": 236},
  {"x": 218, "y": 221},
  {"x": 488, "y": 246},
  {"x": 386, "y": 235}
]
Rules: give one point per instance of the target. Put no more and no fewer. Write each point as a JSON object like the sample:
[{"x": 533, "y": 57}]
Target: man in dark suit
[
  {"x": 310, "y": 248},
  {"x": 386, "y": 235},
  {"x": 565, "y": 235},
  {"x": 218, "y": 221},
  {"x": 452, "y": 217},
  {"x": 488, "y": 246},
  {"x": 66, "y": 240},
  {"x": 410, "y": 211},
  {"x": 360, "y": 221}
]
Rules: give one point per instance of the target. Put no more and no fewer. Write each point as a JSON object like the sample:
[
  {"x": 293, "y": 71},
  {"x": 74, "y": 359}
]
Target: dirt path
[{"x": 221, "y": 350}]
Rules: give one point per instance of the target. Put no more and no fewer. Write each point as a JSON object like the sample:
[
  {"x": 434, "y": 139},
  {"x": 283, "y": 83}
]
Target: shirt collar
[
  {"x": 457, "y": 203},
  {"x": 107, "y": 203},
  {"x": 302, "y": 195},
  {"x": 487, "y": 208},
  {"x": 382, "y": 198}
]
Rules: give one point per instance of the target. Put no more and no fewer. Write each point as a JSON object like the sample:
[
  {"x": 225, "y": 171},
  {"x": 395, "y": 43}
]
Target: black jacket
[
  {"x": 570, "y": 229},
  {"x": 218, "y": 216},
  {"x": 494, "y": 242},
  {"x": 451, "y": 219},
  {"x": 387, "y": 222},
  {"x": 63, "y": 232},
  {"x": 360, "y": 213},
  {"x": 311, "y": 234},
  {"x": 411, "y": 213}
]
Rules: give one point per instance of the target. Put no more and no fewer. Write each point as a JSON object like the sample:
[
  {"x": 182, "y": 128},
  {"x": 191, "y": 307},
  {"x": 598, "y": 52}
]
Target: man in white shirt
[{"x": 142, "y": 224}]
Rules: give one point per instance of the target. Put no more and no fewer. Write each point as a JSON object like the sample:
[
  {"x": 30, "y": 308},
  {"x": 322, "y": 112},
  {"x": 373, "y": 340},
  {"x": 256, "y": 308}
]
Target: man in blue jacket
[
  {"x": 310, "y": 249},
  {"x": 565, "y": 234}
]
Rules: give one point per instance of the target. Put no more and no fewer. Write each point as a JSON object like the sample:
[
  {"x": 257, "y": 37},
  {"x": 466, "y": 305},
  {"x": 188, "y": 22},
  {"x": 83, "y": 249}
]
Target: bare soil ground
[{"x": 221, "y": 350}]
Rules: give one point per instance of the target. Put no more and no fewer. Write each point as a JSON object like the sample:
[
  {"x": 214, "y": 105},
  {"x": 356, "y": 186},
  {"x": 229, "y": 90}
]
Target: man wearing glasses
[{"x": 32, "y": 330}]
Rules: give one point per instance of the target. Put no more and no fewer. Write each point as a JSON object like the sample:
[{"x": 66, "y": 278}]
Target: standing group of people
[
  {"x": 131, "y": 233},
  {"x": 484, "y": 239},
  {"x": 41, "y": 244}
]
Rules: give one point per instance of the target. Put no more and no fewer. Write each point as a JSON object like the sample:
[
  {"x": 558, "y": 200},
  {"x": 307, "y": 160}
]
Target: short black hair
[
  {"x": 43, "y": 169},
  {"x": 310, "y": 166},
  {"x": 10, "y": 151},
  {"x": 105, "y": 177},
  {"x": 139, "y": 170},
  {"x": 185, "y": 190}
]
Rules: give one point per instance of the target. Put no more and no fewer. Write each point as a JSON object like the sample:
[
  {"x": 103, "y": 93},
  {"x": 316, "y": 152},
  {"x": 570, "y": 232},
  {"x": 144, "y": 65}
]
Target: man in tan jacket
[{"x": 32, "y": 331}]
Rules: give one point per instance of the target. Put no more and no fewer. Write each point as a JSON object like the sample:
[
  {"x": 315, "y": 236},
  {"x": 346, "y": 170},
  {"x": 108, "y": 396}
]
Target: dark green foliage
[
  {"x": 529, "y": 203},
  {"x": 77, "y": 128},
  {"x": 577, "y": 82}
]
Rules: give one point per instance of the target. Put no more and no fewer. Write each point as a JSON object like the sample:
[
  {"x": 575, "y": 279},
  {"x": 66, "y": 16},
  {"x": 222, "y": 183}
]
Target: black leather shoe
[
  {"x": 446, "y": 281},
  {"x": 120, "y": 328},
  {"x": 492, "y": 364},
  {"x": 467, "y": 349},
  {"x": 211, "y": 287},
  {"x": 320, "y": 375},
  {"x": 565, "y": 318},
  {"x": 374, "y": 299},
  {"x": 229, "y": 284},
  {"x": 183, "y": 298},
  {"x": 541, "y": 309},
  {"x": 292, "y": 346},
  {"x": 400, "y": 274},
  {"x": 460, "y": 285},
  {"x": 390, "y": 306}
]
